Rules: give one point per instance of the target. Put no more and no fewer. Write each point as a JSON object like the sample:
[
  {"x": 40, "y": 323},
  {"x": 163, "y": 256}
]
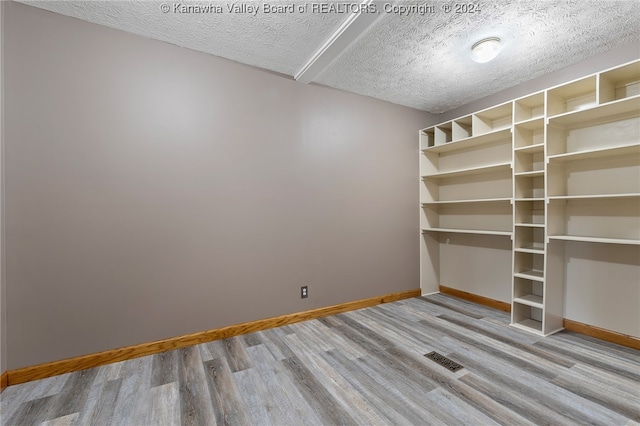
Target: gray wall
[
  {"x": 153, "y": 191},
  {"x": 598, "y": 63},
  {"x": 3, "y": 309}
]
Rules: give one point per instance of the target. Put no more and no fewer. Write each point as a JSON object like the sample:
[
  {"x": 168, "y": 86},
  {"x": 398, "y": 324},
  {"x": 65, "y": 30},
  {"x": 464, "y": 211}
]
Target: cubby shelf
[
  {"x": 470, "y": 171},
  {"x": 531, "y": 225},
  {"x": 529, "y": 108},
  {"x": 537, "y": 247},
  {"x": 529, "y": 325},
  {"x": 539, "y": 147},
  {"x": 492, "y": 119},
  {"x": 595, "y": 240},
  {"x": 531, "y": 124},
  {"x": 531, "y": 274},
  {"x": 525, "y": 199},
  {"x": 474, "y": 141},
  {"x": 530, "y": 300},
  {"x": 531, "y": 250},
  {"x": 532, "y": 173},
  {"x": 611, "y": 111},
  {"x": 608, "y": 151},
  {"x": 469, "y": 231}
]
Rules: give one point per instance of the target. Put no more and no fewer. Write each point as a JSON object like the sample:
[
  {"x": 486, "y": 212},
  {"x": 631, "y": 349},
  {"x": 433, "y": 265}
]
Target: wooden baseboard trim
[
  {"x": 69, "y": 365},
  {"x": 481, "y": 300},
  {"x": 569, "y": 325},
  {"x": 601, "y": 333},
  {"x": 4, "y": 380}
]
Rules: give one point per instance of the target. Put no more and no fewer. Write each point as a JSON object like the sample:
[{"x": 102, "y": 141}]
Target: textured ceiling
[
  {"x": 421, "y": 61},
  {"x": 424, "y": 61}
]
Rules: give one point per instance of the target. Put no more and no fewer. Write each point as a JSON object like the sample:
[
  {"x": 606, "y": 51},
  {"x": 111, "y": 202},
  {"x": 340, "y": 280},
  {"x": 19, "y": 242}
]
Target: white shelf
[
  {"x": 531, "y": 250},
  {"x": 531, "y": 225},
  {"x": 539, "y": 147},
  {"x": 532, "y": 123},
  {"x": 597, "y": 153},
  {"x": 595, "y": 240},
  {"x": 470, "y": 171},
  {"x": 530, "y": 325},
  {"x": 468, "y": 231},
  {"x": 530, "y": 300},
  {"x": 532, "y": 274},
  {"x": 486, "y": 138},
  {"x": 530, "y": 199},
  {"x": 594, "y": 197},
  {"x": 477, "y": 201},
  {"x": 534, "y": 246},
  {"x": 533, "y": 173},
  {"x": 616, "y": 110}
]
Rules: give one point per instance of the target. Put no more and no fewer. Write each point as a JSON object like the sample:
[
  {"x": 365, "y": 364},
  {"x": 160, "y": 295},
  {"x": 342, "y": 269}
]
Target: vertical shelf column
[{"x": 530, "y": 285}]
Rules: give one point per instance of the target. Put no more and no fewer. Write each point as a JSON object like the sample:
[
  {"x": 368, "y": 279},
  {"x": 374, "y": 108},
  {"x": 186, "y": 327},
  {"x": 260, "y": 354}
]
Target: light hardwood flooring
[{"x": 362, "y": 367}]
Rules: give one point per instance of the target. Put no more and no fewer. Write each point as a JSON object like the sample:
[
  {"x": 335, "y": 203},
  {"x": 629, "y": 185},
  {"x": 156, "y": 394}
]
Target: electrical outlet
[{"x": 304, "y": 292}]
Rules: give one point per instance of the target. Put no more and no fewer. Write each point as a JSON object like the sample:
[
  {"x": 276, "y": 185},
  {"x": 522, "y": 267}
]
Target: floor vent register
[{"x": 444, "y": 361}]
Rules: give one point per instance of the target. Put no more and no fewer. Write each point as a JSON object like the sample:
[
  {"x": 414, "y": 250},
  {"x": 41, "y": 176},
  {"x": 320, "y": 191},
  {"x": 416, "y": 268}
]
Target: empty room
[{"x": 319, "y": 213}]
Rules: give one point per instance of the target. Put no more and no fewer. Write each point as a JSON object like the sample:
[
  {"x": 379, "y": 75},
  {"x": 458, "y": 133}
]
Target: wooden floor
[{"x": 362, "y": 367}]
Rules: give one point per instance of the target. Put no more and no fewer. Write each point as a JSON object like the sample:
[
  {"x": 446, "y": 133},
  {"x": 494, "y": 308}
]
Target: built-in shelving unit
[
  {"x": 467, "y": 173},
  {"x": 530, "y": 309},
  {"x": 560, "y": 166}
]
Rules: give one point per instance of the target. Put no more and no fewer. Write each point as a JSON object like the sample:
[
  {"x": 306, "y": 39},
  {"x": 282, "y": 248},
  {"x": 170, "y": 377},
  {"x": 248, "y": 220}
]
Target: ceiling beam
[{"x": 348, "y": 31}]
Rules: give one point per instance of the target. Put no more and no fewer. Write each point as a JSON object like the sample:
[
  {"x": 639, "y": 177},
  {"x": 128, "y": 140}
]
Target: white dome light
[{"x": 486, "y": 49}]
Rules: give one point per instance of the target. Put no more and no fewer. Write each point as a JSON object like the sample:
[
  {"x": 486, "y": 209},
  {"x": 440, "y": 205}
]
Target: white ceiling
[{"x": 421, "y": 61}]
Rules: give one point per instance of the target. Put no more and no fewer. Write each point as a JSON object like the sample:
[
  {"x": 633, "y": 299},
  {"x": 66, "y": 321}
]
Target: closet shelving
[
  {"x": 603, "y": 113},
  {"x": 466, "y": 172},
  {"x": 594, "y": 162},
  {"x": 529, "y": 108},
  {"x": 430, "y": 146},
  {"x": 612, "y": 220},
  {"x": 557, "y": 166},
  {"x": 529, "y": 279}
]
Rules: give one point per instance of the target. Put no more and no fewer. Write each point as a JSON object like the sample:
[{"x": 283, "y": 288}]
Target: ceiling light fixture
[{"x": 486, "y": 49}]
